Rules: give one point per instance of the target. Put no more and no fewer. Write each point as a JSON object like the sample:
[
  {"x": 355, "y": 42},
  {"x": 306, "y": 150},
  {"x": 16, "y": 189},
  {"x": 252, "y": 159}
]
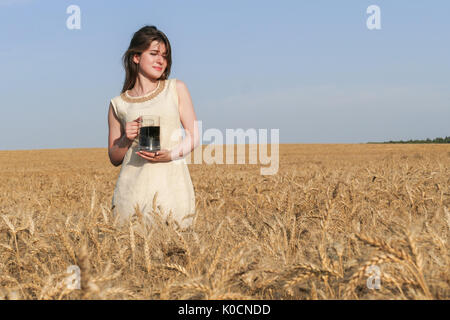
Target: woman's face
[{"x": 152, "y": 62}]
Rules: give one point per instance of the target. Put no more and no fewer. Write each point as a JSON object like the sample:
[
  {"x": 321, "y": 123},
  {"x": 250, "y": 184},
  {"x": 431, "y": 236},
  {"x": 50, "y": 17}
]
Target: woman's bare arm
[
  {"x": 118, "y": 143},
  {"x": 189, "y": 122}
]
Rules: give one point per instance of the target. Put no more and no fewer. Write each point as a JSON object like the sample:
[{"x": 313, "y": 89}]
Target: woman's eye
[{"x": 154, "y": 54}]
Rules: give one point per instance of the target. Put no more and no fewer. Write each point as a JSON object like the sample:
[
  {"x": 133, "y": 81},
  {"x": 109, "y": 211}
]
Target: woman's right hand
[{"x": 132, "y": 129}]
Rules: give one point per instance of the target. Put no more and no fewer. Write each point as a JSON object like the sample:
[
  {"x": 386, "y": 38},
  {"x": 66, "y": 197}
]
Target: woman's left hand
[{"x": 158, "y": 156}]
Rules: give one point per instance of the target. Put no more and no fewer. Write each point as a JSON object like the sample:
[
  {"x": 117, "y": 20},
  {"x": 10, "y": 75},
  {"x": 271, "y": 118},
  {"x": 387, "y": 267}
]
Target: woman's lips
[{"x": 159, "y": 69}]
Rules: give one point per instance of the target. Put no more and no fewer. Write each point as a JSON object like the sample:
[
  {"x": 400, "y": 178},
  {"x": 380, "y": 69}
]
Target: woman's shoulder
[
  {"x": 116, "y": 101},
  {"x": 179, "y": 85}
]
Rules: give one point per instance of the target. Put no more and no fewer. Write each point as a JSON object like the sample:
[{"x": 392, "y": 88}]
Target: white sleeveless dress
[{"x": 139, "y": 179}]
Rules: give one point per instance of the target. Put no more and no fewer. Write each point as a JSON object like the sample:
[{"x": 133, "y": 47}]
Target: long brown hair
[{"x": 139, "y": 43}]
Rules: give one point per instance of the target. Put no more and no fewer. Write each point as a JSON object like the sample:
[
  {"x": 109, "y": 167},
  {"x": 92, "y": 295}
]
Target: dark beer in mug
[
  {"x": 149, "y": 138},
  {"x": 149, "y": 133}
]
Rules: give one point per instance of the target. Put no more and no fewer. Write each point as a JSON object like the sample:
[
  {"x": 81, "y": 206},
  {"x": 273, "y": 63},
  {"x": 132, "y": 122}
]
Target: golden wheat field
[{"x": 334, "y": 219}]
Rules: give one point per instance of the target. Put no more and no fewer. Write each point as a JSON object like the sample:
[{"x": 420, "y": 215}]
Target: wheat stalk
[
  {"x": 215, "y": 260},
  {"x": 67, "y": 246},
  {"x": 230, "y": 296},
  {"x": 14, "y": 233},
  {"x": 132, "y": 243},
  {"x": 148, "y": 264},
  {"x": 177, "y": 267},
  {"x": 154, "y": 201},
  {"x": 117, "y": 290},
  {"x": 360, "y": 273},
  {"x": 85, "y": 268},
  {"x": 403, "y": 257},
  {"x": 196, "y": 286}
]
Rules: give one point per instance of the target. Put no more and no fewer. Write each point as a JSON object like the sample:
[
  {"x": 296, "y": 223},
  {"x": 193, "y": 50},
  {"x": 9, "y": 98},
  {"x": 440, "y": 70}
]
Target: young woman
[{"x": 163, "y": 175}]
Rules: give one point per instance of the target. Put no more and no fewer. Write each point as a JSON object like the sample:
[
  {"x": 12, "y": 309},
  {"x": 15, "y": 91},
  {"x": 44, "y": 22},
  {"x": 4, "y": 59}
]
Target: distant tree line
[{"x": 428, "y": 140}]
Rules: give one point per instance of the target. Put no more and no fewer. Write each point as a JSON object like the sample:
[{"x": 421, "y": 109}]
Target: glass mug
[{"x": 149, "y": 133}]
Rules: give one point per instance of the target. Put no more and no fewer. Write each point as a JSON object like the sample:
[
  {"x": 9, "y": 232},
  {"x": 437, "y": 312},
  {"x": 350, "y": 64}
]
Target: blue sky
[{"x": 311, "y": 69}]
